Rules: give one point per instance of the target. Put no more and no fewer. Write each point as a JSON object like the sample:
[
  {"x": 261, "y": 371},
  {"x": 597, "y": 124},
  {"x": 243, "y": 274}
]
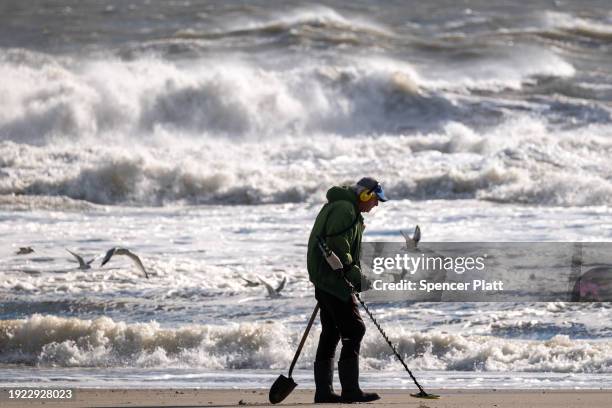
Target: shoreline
[{"x": 89, "y": 397}]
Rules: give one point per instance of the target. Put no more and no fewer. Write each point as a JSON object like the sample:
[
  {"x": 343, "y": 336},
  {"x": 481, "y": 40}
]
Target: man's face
[{"x": 366, "y": 206}]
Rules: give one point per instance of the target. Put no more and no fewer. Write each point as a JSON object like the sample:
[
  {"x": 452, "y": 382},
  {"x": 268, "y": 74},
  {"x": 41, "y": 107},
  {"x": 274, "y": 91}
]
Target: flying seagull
[
  {"x": 24, "y": 251},
  {"x": 128, "y": 253},
  {"x": 274, "y": 292},
  {"x": 249, "y": 283},
  {"x": 82, "y": 264},
  {"x": 412, "y": 241}
]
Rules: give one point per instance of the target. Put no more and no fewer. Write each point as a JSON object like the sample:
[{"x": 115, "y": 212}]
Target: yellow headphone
[{"x": 367, "y": 195}]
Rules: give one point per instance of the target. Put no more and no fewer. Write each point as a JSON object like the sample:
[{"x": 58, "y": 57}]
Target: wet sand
[{"x": 303, "y": 398}]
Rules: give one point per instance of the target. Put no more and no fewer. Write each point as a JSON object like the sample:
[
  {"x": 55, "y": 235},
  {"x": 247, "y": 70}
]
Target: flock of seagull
[
  {"x": 273, "y": 292},
  {"x": 84, "y": 265}
]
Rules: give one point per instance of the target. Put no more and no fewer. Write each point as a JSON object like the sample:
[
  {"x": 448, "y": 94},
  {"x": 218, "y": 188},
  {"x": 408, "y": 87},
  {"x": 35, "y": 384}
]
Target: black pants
[{"x": 339, "y": 320}]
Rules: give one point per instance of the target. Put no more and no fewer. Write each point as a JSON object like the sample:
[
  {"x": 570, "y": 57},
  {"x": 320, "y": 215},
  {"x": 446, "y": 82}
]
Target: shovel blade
[{"x": 281, "y": 388}]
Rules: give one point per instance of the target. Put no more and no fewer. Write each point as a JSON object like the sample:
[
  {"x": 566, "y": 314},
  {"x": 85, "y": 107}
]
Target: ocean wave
[
  {"x": 574, "y": 33},
  {"x": 581, "y": 93},
  {"x": 48, "y": 98},
  {"x": 577, "y": 26},
  {"x": 165, "y": 132},
  {"x": 70, "y": 342},
  {"x": 76, "y": 101},
  {"x": 132, "y": 180},
  {"x": 499, "y": 69},
  {"x": 314, "y": 23},
  {"x": 519, "y": 161},
  {"x": 561, "y": 189},
  {"x": 12, "y": 202}
]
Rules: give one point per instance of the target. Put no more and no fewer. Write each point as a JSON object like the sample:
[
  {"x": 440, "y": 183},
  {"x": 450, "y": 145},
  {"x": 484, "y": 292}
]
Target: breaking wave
[
  {"x": 47, "y": 98},
  {"x": 571, "y": 25},
  {"x": 299, "y": 25},
  {"x": 73, "y": 99},
  {"x": 234, "y": 128},
  {"x": 70, "y": 342},
  {"x": 520, "y": 161}
]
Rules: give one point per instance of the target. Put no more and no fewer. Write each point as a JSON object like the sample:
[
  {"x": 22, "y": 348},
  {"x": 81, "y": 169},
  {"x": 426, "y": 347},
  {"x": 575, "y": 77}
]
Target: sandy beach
[{"x": 390, "y": 398}]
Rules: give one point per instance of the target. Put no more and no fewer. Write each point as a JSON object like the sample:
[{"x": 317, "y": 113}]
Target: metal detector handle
[{"x": 304, "y": 336}]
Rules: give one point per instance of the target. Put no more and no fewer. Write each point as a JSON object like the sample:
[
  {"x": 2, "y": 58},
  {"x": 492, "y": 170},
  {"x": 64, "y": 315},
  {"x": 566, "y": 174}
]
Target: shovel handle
[{"x": 304, "y": 336}]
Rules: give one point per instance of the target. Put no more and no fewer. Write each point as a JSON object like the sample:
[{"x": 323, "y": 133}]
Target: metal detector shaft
[
  {"x": 382, "y": 332},
  {"x": 304, "y": 336}
]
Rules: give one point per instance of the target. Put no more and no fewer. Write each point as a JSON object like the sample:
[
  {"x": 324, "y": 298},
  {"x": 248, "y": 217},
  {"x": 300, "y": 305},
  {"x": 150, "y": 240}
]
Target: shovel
[{"x": 283, "y": 386}]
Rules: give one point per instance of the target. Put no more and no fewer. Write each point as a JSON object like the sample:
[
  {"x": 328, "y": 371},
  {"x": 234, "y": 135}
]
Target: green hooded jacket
[{"x": 337, "y": 215}]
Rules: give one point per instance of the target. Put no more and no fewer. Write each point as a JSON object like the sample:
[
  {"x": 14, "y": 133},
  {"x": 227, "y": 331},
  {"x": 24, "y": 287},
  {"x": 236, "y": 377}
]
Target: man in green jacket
[{"x": 340, "y": 224}]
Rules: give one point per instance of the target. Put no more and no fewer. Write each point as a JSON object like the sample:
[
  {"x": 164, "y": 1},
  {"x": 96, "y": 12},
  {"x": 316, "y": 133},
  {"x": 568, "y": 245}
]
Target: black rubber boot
[
  {"x": 348, "y": 370},
  {"x": 324, "y": 376}
]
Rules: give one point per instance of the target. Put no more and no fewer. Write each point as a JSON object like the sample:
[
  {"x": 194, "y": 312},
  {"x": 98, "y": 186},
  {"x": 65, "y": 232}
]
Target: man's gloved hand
[
  {"x": 356, "y": 279},
  {"x": 344, "y": 271},
  {"x": 363, "y": 284},
  {"x": 366, "y": 284}
]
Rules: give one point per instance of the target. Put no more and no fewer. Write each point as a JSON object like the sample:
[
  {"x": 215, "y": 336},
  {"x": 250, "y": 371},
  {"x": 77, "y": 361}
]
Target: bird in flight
[
  {"x": 249, "y": 283},
  {"x": 82, "y": 264},
  {"x": 412, "y": 241},
  {"x": 128, "y": 253},
  {"x": 24, "y": 251},
  {"x": 274, "y": 292}
]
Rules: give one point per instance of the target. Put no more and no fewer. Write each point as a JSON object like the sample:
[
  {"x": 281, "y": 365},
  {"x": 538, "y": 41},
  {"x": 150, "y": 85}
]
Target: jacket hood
[{"x": 343, "y": 193}]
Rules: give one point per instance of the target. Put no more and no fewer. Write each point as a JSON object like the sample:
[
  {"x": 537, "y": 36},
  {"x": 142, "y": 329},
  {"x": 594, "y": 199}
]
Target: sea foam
[{"x": 69, "y": 342}]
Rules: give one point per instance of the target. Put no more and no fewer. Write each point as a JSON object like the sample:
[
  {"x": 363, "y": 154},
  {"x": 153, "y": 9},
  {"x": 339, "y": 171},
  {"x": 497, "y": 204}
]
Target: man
[{"x": 340, "y": 224}]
